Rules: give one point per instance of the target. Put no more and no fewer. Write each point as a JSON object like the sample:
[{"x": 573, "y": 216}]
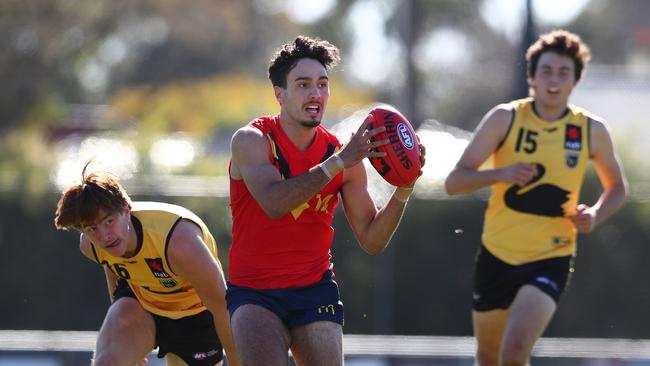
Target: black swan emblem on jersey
[{"x": 544, "y": 199}]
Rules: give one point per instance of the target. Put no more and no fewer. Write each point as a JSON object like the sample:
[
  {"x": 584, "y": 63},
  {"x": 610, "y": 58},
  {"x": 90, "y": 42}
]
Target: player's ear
[
  {"x": 531, "y": 86},
  {"x": 531, "y": 81},
  {"x": 278, "y": 91}
]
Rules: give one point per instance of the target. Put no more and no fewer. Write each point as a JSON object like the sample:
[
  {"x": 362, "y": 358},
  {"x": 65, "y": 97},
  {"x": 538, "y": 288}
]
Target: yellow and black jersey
[
  {"x": 152, "y": 279},
  {"x": 525, "y": 224}
]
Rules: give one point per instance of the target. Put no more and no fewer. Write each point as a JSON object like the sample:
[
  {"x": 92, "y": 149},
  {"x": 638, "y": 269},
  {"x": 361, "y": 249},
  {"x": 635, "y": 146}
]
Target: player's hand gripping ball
[{"x": 401, "y": 165}]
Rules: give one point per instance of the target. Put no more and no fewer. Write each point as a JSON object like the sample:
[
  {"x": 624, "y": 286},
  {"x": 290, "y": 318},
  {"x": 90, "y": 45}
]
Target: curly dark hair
[
  {"x": 80, "y": 203},
  {"x": 286, "y": 58},
  {"x": 563, "y": 43}
]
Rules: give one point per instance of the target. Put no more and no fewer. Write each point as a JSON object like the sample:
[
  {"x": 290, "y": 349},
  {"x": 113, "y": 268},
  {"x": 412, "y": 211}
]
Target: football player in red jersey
[{"x": 287, "y": 173}]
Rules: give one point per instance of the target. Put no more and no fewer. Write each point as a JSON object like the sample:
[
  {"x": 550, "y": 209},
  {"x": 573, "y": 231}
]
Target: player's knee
[
  {"x": 107, "y": 358},
  {"x": 486, "y": 357},
  {"x": 515, "y": 354},
  {"x": 514, "y": 362}
]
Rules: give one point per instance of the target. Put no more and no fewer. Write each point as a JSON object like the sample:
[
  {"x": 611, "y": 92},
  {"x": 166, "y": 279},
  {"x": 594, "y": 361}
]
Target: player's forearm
[
  {"x": 222, "y": 323},
  {"x": 380, "y": 230},
  {"x": 610, "y": 201},
  {"x": 287, "y": 195},
  {"x": 465, "y": 180}
]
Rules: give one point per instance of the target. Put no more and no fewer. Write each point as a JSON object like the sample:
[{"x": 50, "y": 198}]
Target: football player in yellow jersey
[
  {"x": 539, "y": 147},
  {"x": 165, "y": 281}
]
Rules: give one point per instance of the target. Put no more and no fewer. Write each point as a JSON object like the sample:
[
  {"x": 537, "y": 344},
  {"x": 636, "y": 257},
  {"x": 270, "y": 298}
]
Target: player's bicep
[
  {"x": 188, "y": 255},
  {"x": 487, "y": 137},
  {"x": 603, "y": 155},
  {"x": 190, "y": 258},
  {"x": 250, "y": 162}
]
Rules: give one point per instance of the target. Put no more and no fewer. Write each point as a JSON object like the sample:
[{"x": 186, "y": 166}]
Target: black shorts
[
  {"x": 192, "y": 338},
  {"x": 294, "y": 306},
  {"x": 496, "y": 283}
]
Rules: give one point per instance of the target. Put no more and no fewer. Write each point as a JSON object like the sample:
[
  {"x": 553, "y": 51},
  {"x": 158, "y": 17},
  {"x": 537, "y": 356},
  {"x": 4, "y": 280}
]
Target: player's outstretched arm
[{"x": 189, "y": 257}]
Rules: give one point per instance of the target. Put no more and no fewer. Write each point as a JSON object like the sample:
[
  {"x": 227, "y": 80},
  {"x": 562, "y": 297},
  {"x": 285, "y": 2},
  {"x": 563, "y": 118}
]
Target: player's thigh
[
  {"x": 127, "y": 335},
  {"x": 530, "y": 314},
  {"x": 261, "y": 338},
  {"x": 173, "y": 360},
  {"x": 318, "y": 343},
  {"x": 489, "y": 327}
]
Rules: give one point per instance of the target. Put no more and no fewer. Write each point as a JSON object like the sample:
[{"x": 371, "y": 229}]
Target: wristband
[
  {"x": 403, "y": 200},
  {"x": 327, "y": 172},
  {"x": 337, "y": 161}
]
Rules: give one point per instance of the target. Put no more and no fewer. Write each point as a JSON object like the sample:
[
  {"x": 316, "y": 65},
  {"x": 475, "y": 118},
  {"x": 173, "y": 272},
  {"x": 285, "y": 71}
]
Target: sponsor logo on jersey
[
  {"x": 571, "y": 159},
  {"x": 168, "y": 283},
  {"x": 156, "y": 267},
  {"x": 573, "y": 137}
]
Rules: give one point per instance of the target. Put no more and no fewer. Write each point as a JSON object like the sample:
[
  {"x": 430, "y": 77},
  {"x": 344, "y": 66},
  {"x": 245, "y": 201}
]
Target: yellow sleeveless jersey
[
  {"x": 153, "y": 281},
  {"x": 525, "y": 224}
]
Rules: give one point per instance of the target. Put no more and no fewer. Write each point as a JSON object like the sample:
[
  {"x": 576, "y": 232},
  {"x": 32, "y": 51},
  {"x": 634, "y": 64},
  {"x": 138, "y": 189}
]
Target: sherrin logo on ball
[{"x": 401, "y": 165}]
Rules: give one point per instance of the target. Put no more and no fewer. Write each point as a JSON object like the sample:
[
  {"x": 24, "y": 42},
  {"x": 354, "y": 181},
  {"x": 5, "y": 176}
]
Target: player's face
[
  {"x": 554, "y": 79},
  {"x": 305, "y": 98},
  {"x": 110, "y": 232}
]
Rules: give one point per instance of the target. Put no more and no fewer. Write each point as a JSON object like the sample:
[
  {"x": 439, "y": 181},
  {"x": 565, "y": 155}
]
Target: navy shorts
[
  {"x": 192, "y": 338},
  {"x": 294, "y": 306},
  {"x": 496, "y": 283}
]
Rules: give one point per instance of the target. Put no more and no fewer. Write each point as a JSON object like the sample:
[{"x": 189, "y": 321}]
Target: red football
[{"x": 401, "y": 165}]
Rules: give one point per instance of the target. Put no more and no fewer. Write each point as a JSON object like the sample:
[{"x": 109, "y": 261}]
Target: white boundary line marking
[{"x": 370, "y": 345}]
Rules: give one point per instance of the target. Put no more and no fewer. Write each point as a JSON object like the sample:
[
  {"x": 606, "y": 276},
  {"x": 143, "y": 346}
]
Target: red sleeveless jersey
[{"x": 292, "y": 251}]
